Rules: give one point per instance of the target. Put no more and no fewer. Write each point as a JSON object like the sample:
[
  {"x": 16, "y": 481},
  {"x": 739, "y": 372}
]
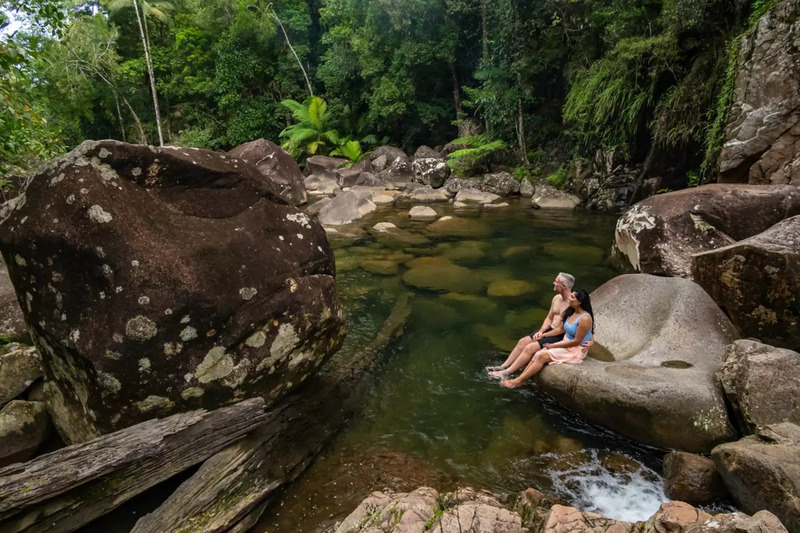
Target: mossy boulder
[{"x": 444, "y": 277}]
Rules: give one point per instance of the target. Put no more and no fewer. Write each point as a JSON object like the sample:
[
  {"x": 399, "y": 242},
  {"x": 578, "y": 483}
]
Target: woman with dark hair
[{"x": 578, "y": 327}]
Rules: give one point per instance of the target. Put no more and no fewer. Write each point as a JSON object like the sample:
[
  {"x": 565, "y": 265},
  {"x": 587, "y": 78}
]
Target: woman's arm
[{"x": 584, "y": 326}]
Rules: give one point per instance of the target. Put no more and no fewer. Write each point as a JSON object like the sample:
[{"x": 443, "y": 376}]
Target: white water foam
[{"x": 591, "y": 486}]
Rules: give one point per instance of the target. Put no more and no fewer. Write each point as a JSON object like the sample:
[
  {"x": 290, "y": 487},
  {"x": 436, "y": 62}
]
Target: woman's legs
[
  {"x": 523, "y": 342},
  {"x": 522, "y": 360},
  {"x": 541, "y": 358}
]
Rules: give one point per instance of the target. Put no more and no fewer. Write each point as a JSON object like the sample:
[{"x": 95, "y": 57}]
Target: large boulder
[
  {"x": 346, "y": 208},
  {"x": 12, "y": 321},
  {"x": 762, "y": 471},
  {"x": 763, "y": 132},
  {"x": 500, "y": 183},
  {"x": 426, "y": 152},
  {"x": 762, "y": 384},
  {"x": 398, "y": 173},
  {"x": 659, "y": 343},
  {"x": 475, "y": 196},
  {"x": 692, "y": 478},
  {"x": 548, "y": 197},
  {"x": 277, "y": 166},
  {"x": 757, "y": 281},
  {"x": 453, "y": 185},
  {"x": 392, "y": 153},
  {"x": 349, "y": 176},
  {"x": 24, "y": 427},
  {"x": 324, "y": 166},
  {"x": 430, "y": 171},
  {"x": 159, "y": 280},
  {"x": 659, "y": 235},
  {"x": 322, "y": 186},
  {"x": 18, "y": 370}
]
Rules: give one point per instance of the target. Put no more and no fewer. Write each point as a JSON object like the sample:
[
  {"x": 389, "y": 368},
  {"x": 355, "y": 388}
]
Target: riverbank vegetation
[{"x": 532, "y": 84}]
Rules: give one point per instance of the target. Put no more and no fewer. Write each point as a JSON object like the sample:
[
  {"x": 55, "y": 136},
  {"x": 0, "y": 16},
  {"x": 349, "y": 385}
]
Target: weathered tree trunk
[
  {"x": 485, "y": 32},
  {"x": 142, "y": 136},
  {"x": 151, "y": 75},
  {"x": 520, "y": 124},
  {"x": 63, "y": 490},
  {"x": 229, "y": 492}
]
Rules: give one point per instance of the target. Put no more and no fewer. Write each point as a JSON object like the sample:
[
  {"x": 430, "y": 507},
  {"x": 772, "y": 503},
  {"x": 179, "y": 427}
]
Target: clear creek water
[{"x": 432, "y": 416}]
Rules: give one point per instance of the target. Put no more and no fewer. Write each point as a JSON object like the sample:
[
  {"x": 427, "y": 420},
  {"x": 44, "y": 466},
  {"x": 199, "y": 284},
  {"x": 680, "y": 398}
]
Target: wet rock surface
[
  {"x": 276, "y": 165},
  {"x": 665, "y": 338},
  {"x": 692, "y": 478},
  {"x": 659, "y": 235},
  {"x": 761, "y": 383},
  {"x": 158, "y": 280},
  {"x": 763, "y": 132},
  {"x": 757, "y": 280},
  {"x": 762, "y": 471},
  {"x": 425, "y": 509},
  {"x": 547, "y": 196}
]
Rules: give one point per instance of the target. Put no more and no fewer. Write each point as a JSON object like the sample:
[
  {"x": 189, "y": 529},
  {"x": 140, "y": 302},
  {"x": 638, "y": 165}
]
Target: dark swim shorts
[{"x": 547, "y": 340}]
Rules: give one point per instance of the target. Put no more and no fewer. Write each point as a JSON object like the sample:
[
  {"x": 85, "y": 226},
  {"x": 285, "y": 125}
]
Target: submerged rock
[
  {"x": 444, "y": 277},
  {"x": 757, "y": 281},
  {"x": 665, "y": 338},
  {"x": 158, "y": 280},
  {"x": 659, "y": 235},
  {"x": 276, "y": 165}
]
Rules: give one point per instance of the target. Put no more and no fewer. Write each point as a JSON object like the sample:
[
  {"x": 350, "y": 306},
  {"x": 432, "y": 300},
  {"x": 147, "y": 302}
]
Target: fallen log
[
  {"x": 65, "y": 489},
  {"x": 230, "y": 490}
]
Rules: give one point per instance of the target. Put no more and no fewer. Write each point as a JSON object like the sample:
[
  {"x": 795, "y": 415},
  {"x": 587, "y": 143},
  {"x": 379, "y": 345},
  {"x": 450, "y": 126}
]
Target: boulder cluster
[{"x": 346, "y": 193}]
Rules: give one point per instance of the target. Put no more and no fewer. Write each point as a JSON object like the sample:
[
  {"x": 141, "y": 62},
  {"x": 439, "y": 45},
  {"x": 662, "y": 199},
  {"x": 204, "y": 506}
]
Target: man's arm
[{"x": 548, "y": 321}]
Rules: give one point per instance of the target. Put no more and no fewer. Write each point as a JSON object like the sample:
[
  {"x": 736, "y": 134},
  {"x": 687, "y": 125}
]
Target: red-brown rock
[
  {"x": 158, "y": 280},
  {"x": 692, "y": 478},
  {"x": 276, "y": 165}
]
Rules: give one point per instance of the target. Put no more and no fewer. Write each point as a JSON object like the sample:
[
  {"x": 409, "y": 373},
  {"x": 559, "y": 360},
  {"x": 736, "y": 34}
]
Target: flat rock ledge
[{"x": 425, "y": 509}]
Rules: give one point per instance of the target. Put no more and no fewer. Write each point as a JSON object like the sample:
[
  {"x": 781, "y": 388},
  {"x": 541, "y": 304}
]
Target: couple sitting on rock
[{"x": 564, "y": 338}]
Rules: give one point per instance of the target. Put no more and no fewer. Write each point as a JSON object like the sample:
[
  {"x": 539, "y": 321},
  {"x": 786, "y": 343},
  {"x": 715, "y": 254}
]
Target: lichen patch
[
  {"x": 188, "y": 334},
  {"x": 99, "y": 215},
  {"x": 140, "y": 328},
  {"x": 216, "y": 365},
  {"x": 247, "y": 293},
  {"x": 154, "y": 403}
]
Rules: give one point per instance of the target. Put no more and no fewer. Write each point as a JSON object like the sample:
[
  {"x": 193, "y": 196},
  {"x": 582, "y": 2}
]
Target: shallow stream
[{"x": 432, "y": 415}]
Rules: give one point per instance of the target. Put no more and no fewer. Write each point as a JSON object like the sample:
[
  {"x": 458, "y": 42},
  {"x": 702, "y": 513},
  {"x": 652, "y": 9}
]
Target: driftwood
[
  {"x": 229, "y": 492},
  {"x": 65, "y": 489}
]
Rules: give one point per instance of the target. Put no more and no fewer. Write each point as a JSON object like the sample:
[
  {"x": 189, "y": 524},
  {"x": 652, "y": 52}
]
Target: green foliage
[
  {"x": 759, "y": 8},
  {"x": 558, "y": 179},
  {"x": 715, "y": 137},
  {"x": 349, "y": 149},
  {"x": 312, "y": 133},
  {"x": 476, "y": 152}
]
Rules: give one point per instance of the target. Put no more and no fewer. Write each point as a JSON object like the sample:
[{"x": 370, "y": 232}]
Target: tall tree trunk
[
  {"x": 286, "y": 36},
  {"x": 119, "y": 117},
  {"x": 485, "y": 35},
  {"x": 142, "y": 136},
  {"x": 520, "y": 123},
  {"x": 456, "y": 97},
  {"x": 152, "y": 76}
]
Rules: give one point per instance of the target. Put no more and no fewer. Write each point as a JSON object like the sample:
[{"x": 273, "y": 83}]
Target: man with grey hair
[{"x": 530, "y": 344}]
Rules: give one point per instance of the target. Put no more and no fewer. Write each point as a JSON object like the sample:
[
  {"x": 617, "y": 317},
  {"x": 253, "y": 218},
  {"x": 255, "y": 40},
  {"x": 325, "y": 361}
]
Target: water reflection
[{"x": 432, "y": 415}]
